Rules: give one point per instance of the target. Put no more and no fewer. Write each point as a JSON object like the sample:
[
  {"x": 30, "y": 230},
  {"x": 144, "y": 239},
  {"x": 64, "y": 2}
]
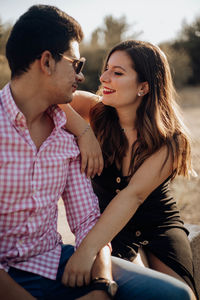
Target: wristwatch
[{"x": 109, "y": 286}]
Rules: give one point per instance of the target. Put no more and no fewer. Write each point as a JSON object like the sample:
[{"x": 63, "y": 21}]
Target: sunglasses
[{"x": 77, "y": 64}]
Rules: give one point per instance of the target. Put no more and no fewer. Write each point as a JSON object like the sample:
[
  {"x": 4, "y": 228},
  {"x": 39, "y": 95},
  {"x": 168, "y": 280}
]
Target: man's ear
[
  {"x": 144, "y": 88},
  {"x": 47, "y": 62}
]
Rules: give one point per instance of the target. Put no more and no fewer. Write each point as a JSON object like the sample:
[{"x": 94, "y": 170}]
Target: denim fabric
[{"x": 134, "y": 282}]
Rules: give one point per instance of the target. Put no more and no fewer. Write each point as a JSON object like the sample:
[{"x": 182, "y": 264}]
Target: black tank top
[{"x": 156, "y": 214}]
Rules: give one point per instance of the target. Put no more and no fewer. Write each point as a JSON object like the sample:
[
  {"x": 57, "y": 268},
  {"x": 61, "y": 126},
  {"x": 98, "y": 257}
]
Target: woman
[{"x": 144, "y": 145}]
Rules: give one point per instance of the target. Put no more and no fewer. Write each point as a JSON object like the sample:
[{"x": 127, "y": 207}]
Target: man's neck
[
  {"x": 33, "y": 104},
  {"x": 27, "y": 99}
]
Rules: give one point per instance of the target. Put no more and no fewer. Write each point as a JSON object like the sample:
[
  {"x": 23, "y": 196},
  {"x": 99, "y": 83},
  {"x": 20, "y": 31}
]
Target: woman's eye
[{"x": 118, "y": 73}]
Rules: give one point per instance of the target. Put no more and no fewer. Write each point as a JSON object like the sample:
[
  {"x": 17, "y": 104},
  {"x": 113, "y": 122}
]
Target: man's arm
[{"x": 10, "y": 290}]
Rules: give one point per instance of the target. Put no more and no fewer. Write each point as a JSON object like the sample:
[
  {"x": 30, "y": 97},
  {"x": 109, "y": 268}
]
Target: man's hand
[
  {"x": 11, "y": 290},
  {"x": 97, "y": 295}
]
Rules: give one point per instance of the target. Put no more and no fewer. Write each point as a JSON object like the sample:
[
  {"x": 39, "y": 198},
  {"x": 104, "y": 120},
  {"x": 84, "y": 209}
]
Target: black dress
[{"x": 156, "y": 225}]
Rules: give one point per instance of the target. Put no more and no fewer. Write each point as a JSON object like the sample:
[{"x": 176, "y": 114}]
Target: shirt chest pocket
[{"x": 52, "y": 173}]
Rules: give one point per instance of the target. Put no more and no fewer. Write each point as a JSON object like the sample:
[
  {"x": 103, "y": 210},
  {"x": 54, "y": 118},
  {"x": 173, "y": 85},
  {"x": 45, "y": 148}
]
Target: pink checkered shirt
[{"x": 31, "y": 183}]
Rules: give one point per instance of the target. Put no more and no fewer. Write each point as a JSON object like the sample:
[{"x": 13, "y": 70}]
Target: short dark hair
[{"x": 42, "y": 27}]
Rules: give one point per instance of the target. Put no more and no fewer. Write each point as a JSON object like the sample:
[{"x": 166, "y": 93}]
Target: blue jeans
[{"x": 134, "y": 282}]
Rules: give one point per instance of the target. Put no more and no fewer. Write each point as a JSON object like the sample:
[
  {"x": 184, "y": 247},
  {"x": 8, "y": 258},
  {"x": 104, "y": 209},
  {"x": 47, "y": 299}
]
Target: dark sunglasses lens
[{"x": 79, "y": 66}]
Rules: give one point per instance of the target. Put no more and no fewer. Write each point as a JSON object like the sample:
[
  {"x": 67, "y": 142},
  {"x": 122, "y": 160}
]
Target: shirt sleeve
[
  {"x": 3, "y": 268},
  {"x": 81, "y": 204}
]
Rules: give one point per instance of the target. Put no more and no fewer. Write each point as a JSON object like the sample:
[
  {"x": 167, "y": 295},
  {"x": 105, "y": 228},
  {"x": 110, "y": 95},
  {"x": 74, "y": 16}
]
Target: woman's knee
[{"x": 137, "y": 282}]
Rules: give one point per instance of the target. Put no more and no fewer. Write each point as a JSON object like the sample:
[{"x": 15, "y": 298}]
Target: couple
[{"x": 40, "y": 162}]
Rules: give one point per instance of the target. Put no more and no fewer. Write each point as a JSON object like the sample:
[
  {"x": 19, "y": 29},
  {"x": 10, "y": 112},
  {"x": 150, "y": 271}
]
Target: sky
[{"x": 156, "y": 20}]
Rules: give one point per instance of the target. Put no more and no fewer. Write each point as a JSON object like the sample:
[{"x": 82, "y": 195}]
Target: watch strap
[{"x": 104, "y": 284}]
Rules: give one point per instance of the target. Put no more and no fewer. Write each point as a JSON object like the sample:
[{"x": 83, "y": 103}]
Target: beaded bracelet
[{"x": 84, "y": 131}]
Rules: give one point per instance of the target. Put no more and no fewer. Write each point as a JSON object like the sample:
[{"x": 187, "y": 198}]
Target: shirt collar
[
  {"x": 8, "y": 103},
  {"x": 14, "y": 114},
  {"x": 58, "y": 116}
]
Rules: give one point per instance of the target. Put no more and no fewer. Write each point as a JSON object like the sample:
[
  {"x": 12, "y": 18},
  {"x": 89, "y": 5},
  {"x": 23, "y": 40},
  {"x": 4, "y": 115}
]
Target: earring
[{"x": 140, "y": 94}]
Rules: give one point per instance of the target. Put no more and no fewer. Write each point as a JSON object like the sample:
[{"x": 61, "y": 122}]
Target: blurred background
[{"x": 174, "y": 25}]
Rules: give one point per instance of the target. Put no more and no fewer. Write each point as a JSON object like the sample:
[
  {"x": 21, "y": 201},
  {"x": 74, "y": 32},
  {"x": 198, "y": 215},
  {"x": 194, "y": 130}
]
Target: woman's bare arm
[
  {"x": 124, "y": 205},
  {"x": 77, "y": 114}
]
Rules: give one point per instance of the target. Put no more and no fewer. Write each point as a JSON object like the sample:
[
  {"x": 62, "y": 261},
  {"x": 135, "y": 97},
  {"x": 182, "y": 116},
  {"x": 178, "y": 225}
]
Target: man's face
[{"x": 64, "y": 81}]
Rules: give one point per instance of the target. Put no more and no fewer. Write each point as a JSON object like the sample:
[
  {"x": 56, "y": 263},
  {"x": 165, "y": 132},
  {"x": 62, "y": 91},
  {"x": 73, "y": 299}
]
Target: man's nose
[{"x": 80, "y": 77}]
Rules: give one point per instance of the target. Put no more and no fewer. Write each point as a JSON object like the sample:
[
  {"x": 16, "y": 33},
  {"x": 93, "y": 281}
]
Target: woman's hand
[
  {"x": 91, "y": 155},
  {"x": 78, "y": 269}
]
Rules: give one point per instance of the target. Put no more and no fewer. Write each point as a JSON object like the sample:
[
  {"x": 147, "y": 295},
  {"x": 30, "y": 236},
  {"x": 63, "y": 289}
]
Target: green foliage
[
  {"x": 180, "y": 64},
  {"x": 114, "y": 30},
  {"x": 189, "y": 41},
  {"x": 4, "y": 71},
  {"x": 4, "y": 68},
  {"x": 92, "y": 69},
  {"x": 102, "y": 40},
  {"x": 4, "y": 33}
]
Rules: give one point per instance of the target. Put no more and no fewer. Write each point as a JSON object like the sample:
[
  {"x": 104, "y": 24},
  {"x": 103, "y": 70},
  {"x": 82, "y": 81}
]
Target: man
[{"x": 39, "y": 162}]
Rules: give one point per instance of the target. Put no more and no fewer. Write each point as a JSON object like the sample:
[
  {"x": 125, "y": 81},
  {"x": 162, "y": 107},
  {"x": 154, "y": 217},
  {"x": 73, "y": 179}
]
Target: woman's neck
[{"x": 127, "y": 120}]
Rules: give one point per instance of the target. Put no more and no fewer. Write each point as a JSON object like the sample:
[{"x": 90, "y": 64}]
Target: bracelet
[{"x": 84, "y": 131}]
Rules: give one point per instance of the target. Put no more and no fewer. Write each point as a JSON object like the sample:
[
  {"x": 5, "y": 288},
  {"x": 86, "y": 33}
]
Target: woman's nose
[{"x": 104, "y": 77}]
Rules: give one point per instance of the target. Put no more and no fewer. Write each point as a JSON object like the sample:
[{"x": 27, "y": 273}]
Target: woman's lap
[{"x": 145, "y": 283}]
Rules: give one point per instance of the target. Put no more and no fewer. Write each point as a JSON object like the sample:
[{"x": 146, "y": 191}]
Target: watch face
[{"x": 113, "y": 288}]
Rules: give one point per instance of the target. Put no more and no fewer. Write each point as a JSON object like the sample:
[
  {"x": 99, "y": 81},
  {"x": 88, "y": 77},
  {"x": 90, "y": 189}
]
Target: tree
[
  {"x": 4, "y": 34},
  {"x": 102, "y": 39},
  {"x": 95, "y": 39},
  {"x": 4, "y": 69},
  {"x": 179, "y": 62},
  {"x": 114, "y": 30},
  {"x": 111, "y": 33},
  {"x": 189, "y": 40}
]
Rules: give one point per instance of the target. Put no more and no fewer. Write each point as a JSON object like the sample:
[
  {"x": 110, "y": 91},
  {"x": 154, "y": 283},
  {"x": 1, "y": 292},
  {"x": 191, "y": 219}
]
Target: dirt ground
[{"x": 187, "y": 193}]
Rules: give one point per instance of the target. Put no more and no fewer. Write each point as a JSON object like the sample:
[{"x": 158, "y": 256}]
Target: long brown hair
[{"x": 158, "y": 118}]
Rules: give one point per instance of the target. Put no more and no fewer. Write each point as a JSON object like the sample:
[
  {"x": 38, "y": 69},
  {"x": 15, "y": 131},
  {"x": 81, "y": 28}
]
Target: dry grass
[{"x": 187, "y": 193}]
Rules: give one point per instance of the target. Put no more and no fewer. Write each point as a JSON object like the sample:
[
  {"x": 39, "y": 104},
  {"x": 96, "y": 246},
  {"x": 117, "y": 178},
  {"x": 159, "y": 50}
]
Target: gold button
[
  {"x": 144, "y": 243},
  {"x": 117, "y": 191},
  {"x": 118, "y": 179},
  {"x": 138, "y": 233}
]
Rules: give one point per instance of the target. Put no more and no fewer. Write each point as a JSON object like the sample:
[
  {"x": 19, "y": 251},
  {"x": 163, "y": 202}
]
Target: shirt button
[
  {"x": 138, "y": 233},
  {"x": 118, "y": 179},
  {"x": 144, "y": 243},
  {"x": 117, "y": 191}
]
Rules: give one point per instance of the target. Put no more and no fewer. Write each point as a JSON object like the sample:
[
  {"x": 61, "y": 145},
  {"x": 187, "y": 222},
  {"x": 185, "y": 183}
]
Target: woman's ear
[{"x": 144, "y": 88}]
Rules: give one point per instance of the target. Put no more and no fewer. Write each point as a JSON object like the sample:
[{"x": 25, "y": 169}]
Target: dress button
[
  {"x": 144, "y": 243},
  {"x": 138, "y": 233},
  {"x": 118, "y": 179},
  {"x": 117, "y": 191}
]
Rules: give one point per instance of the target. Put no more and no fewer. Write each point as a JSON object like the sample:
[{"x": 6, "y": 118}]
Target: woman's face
[{"x": 120, "y": 82}]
